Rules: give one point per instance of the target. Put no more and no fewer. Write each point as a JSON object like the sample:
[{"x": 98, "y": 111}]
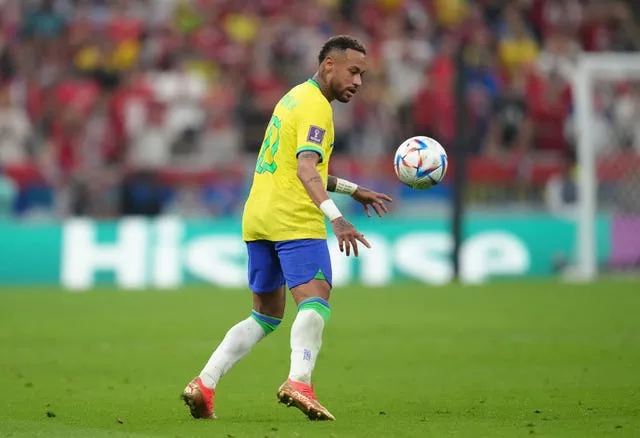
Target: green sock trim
[
  {"x": 324, "y": 311},
  {"x": 268, "y": 323}
]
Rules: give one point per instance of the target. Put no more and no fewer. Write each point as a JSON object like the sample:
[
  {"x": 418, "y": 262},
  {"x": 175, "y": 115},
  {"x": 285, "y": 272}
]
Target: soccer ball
[{"x": 420, "y": 162}]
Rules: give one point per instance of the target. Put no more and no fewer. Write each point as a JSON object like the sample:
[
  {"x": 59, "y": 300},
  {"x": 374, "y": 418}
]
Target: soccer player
[{"x": 285, "y": 233}]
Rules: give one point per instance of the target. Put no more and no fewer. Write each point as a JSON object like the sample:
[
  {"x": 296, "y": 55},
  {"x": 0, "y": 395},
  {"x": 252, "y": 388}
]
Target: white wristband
[
  {"x": 345, "y": 187},
  {"x": 330, "y": 209}
]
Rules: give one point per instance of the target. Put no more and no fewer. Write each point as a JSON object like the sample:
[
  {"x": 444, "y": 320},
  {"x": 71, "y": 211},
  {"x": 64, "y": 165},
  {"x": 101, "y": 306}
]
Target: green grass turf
[{"x": 507, "y": 360}]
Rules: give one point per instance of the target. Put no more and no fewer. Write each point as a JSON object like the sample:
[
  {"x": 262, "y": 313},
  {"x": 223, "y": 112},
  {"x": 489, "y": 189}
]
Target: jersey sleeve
[{"x": 313, "y": 126}]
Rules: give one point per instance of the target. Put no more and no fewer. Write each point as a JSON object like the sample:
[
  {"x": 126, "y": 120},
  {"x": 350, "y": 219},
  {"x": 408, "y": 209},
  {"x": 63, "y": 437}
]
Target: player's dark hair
[{"x": 340, "y": 42}]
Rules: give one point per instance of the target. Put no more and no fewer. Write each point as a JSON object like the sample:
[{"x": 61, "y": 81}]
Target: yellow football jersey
[{"x": 278, "y": 207}]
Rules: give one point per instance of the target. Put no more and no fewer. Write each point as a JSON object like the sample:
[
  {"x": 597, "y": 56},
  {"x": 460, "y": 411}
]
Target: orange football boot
[
  {"x": 301, "y": 395},
  {"x": 199, "y": 398}
]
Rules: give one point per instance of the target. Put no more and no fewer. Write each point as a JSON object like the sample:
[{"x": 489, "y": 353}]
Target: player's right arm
[{"x": 310, "y": 178}]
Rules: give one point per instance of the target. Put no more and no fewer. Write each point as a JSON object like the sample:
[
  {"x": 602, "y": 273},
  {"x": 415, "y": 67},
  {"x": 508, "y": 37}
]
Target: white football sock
[
  {"x": 236, "y": 344},
  {"x": 306, "y": 340}
]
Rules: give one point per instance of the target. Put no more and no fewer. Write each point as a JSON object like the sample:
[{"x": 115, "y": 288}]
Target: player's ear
[{"x": 329, "y": 62}]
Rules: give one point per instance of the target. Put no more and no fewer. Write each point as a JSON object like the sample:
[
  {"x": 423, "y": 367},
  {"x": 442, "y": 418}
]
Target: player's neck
[{"x": 324, "y": 87}]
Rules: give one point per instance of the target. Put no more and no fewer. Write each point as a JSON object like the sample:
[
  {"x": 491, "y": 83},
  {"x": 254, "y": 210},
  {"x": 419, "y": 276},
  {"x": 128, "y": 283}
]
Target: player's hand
[
  {"x": 376, "y": 200},
  {"x": 348, "y": 236}
]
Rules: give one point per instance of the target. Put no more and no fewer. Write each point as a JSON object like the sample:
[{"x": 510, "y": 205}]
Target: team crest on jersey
[{"x": 316, "y": 135}]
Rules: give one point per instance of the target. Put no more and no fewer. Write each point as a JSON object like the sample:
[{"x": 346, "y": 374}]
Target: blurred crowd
[{"x": 143, "y": 107}]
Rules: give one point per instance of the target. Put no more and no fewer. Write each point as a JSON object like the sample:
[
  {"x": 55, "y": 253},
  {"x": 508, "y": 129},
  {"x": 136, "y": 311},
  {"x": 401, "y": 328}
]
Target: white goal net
[{"x": 607, "y": 127}]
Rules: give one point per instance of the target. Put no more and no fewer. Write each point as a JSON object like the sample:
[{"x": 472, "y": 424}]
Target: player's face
[{"x": 346, "y": 74}]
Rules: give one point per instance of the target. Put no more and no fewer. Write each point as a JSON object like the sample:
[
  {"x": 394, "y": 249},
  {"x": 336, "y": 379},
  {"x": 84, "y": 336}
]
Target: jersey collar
[{"x": 314, "y": 83}]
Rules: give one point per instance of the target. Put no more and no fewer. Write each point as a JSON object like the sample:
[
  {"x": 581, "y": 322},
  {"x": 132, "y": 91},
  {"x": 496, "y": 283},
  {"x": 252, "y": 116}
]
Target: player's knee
[
  {"x": 271, "y": 304},
  {"x": 317, "y": 305},
  {"x": 311, "y": 289},
  {"x": 268, "y": 323}
]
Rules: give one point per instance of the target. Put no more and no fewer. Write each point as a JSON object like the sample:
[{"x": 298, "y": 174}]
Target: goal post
[{"x": 591, "y": 68}]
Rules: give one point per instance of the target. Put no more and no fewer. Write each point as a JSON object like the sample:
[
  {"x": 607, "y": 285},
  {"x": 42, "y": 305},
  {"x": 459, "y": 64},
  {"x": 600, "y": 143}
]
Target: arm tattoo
[
  {"x": 332, "y": 182},
  {"x": 309, "y": 155},
  {"x": 313, "y": 180}
]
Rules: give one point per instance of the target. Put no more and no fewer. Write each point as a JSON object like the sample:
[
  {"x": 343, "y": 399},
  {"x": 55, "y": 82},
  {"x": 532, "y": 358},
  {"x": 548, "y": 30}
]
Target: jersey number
[{"x": 266, "y": 159}]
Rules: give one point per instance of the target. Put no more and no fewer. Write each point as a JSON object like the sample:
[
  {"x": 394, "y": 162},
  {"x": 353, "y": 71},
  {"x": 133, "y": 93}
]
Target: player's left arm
[{"x": 363, "y": 195}]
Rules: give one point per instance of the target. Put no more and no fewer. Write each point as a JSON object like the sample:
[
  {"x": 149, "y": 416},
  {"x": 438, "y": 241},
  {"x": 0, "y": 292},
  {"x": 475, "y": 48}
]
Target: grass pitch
[{"x": 507, "y": 360}]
